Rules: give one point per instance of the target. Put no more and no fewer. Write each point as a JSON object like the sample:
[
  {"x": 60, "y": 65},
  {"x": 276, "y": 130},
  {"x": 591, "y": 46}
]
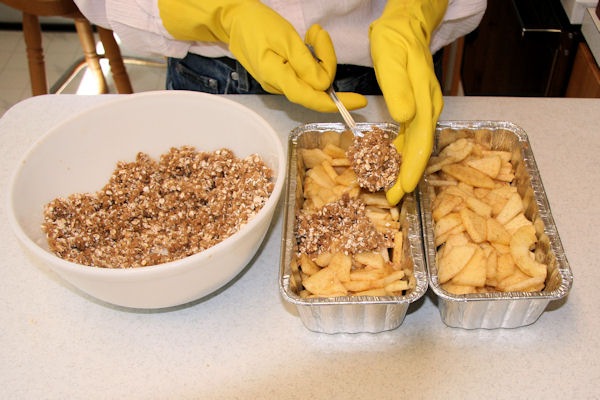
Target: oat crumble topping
[
  {"x": 375, "y": 160},
  {"x": 338, "y": 226},
  {"x": 155, "y": 212}
]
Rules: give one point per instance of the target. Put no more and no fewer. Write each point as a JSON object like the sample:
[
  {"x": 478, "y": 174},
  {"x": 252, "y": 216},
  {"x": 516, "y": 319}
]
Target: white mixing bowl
[{"x": 79, "y": 156}]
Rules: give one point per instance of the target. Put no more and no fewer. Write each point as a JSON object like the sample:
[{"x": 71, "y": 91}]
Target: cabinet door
[
  {"x": 585, "y": 76},
  {"x": 521, "y": 48}
]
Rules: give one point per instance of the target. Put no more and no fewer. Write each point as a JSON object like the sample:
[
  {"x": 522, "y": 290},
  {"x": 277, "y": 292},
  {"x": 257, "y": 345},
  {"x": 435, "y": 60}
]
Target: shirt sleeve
[
  {"x": 94, "y": 11},
  {"x": 462, "y": 17},
  {"x": 137, "y": 23}
]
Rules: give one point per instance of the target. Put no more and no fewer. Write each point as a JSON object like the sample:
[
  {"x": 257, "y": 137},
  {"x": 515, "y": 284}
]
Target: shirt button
[
  {"x": 212, "y": 83},
  {"x": 235, "y": 76}
]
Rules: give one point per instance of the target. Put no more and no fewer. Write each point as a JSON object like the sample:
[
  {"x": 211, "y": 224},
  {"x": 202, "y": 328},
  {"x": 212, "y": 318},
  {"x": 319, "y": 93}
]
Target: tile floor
[{"x": 62, "y": 51}]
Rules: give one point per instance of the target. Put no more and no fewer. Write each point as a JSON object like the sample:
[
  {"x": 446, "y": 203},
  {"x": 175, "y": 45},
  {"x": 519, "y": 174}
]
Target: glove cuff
[
  {"x": 207, "y": 20},
  {"x": 427, "y": 13}
]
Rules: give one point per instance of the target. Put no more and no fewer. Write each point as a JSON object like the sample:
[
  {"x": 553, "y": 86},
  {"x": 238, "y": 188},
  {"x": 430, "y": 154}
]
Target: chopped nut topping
[
  {"x": 375, "y": 160},
  {"x": 155, "y": 212},
  {"x": 339, "y": 226}
]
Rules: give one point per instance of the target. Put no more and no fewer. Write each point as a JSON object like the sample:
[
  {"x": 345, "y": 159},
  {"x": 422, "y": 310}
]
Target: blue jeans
[{"x": 227, "y": 76}]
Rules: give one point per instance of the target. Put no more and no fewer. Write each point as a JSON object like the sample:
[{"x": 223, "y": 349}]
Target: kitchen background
[{"x": 521, "y": 48}]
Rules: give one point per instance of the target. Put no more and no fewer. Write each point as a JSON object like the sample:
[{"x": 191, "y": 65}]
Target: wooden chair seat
[{"x": 32, "y": 9}]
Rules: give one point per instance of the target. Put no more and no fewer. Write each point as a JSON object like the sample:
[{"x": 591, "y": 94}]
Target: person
[{"x": 250, "y": 46}]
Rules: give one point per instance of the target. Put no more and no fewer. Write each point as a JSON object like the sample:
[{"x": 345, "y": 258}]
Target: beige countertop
[{"x": 245, "y": 342}]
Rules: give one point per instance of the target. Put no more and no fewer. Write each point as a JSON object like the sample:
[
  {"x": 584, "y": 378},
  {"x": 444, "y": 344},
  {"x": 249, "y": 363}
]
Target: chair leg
[
  {"x": 86, "y": 37},
  {"x": 452, "y": 63},
  {"x": 113, "y": 53},
  {"x": 35, "y": 54},
  {"x": 460, "y": 45}
]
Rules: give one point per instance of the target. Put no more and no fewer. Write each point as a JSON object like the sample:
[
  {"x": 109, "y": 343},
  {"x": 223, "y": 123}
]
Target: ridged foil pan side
[
  {"x": 344, "y": 314},
  {"x": 500, "y": 310}
]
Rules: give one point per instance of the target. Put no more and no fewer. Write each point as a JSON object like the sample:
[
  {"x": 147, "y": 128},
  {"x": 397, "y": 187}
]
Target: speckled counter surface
[{"x": 245, "y": 342}]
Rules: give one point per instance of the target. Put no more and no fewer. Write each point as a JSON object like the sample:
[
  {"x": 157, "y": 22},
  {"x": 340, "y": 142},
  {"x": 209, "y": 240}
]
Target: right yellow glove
[
  {"x": 404, "y": 69},
  {"x": 266, "y": 45}
]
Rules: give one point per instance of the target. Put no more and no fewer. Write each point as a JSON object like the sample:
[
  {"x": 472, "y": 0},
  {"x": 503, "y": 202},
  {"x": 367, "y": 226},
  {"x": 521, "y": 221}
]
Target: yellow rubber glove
[
  {"x": 404, "y": 69},
  {"x": 266, "y": 45}
]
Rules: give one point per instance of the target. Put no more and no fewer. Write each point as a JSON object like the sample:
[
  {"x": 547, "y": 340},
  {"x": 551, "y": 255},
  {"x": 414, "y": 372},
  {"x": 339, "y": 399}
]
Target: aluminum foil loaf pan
[
  {"x": 499, "y": 309},
  {"x": 344, "y": 314}
]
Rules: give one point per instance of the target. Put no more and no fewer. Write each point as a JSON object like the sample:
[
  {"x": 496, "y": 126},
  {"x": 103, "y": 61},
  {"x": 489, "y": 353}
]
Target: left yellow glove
[
  {"x": 266, "y": 44},
  {"x": 404, "y": 69}
]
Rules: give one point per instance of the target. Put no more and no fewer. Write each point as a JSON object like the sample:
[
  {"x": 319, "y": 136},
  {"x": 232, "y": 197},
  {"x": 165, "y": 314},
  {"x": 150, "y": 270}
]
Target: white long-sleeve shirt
[{"x": 140, "y": 28}]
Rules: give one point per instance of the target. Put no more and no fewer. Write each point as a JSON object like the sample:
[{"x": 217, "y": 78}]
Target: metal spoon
[{"x": 343, "y": 110}]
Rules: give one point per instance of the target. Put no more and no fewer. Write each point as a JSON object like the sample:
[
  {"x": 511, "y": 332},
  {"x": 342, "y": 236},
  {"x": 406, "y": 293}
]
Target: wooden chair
[
  {"x": 32, "y": 9},
  {"x": 451, "y": 65}
]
